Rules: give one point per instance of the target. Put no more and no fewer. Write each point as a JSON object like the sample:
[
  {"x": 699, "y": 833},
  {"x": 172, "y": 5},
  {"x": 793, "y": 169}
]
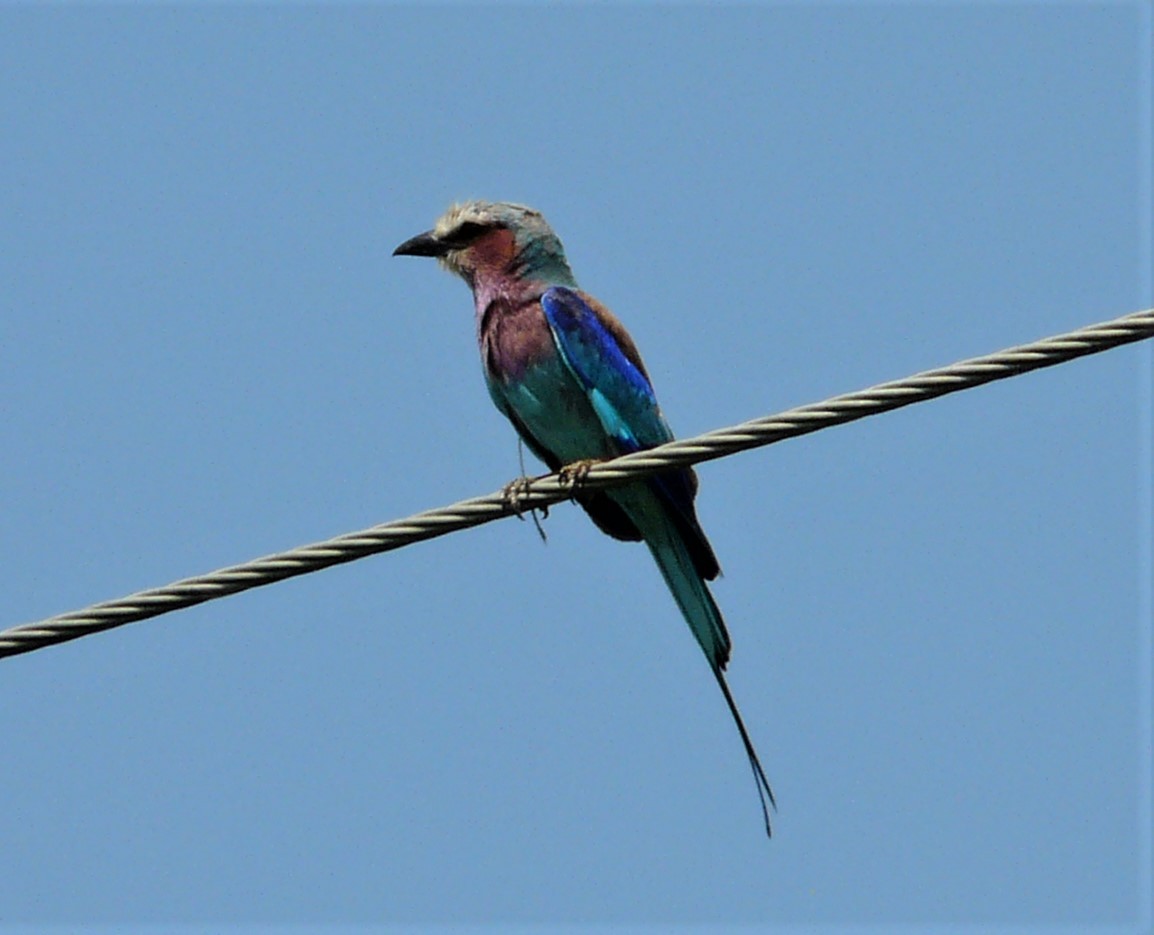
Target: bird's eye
[{"x": 468, "y": 232}]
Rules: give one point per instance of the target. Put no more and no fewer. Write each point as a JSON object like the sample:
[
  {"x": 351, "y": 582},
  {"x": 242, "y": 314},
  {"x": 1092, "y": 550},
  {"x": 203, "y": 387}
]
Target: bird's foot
[
  {"x": 573, "y": 475},
  {"x": 514, "y": 493}
]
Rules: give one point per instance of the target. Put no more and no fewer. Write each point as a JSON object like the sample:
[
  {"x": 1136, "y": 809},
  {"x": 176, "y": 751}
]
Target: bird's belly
[{"x": 557, "y": 413}]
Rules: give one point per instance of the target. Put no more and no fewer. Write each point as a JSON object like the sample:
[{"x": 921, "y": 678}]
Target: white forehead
[{"x": 481, "y": 212}]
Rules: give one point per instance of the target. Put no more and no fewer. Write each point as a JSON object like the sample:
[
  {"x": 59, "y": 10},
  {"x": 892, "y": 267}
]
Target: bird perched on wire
[{"x": 565, "y": 372}]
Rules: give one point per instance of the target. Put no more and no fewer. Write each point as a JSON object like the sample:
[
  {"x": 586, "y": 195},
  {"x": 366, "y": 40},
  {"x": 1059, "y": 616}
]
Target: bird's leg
[
  {"x": 515, "y": 491},
  {"x": 573, "y": 475}
]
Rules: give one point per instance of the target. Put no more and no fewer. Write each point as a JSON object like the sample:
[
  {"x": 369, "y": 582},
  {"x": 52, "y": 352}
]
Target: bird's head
[{"x": 497, "y": 239}]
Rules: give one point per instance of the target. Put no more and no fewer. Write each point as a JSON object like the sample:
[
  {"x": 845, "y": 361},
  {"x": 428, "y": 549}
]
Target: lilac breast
[{"x": 514, "y": 338}]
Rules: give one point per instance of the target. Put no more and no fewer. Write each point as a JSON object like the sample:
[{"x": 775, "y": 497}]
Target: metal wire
[{"x": 554, "y": 488}]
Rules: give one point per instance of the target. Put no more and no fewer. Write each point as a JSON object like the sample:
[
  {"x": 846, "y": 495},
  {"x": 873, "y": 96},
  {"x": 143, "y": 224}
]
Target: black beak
[{"x": 425, "y": 244}]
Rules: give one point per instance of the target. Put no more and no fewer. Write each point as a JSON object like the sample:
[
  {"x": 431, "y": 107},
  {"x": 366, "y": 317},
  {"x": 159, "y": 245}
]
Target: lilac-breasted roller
[{"x": 565, "y": 372}]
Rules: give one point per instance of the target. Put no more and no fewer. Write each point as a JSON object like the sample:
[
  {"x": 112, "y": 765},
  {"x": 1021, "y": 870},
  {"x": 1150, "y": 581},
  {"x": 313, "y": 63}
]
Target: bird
[{"x": 568, "y": 376}]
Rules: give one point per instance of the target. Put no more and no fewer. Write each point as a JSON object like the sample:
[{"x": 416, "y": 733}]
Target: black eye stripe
[{"x": 467, "y": 232}]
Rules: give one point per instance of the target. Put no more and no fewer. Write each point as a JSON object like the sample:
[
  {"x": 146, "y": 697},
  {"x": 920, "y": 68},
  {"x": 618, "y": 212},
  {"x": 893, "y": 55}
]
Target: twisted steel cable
[{"x": 553, "y": 488}]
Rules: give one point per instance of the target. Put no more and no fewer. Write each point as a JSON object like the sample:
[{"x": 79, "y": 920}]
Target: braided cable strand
[{"x": 554, "y": 488}]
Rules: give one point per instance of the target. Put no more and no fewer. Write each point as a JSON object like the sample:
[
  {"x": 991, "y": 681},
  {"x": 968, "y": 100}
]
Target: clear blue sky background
[{"x": 207, "y": 354}]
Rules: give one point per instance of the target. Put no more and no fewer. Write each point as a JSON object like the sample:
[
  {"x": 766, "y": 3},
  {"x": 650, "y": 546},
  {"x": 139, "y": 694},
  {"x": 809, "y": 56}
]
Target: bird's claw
[
  {"x": 514, "y": 492},
  {"x": 573, "y": 475}
]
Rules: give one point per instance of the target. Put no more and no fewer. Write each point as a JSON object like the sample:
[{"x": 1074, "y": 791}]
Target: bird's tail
[{"x": 704, "y": 618}]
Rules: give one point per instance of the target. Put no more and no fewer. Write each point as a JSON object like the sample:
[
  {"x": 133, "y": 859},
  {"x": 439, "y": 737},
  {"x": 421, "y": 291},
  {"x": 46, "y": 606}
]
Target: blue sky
[{"x": 940, "y": 615}]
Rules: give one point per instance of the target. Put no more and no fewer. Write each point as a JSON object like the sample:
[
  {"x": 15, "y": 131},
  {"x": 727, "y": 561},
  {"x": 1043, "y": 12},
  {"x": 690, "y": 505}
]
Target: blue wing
[
  {"x": 618, "y": 390},
  {"x": 623, "y": 398}
]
